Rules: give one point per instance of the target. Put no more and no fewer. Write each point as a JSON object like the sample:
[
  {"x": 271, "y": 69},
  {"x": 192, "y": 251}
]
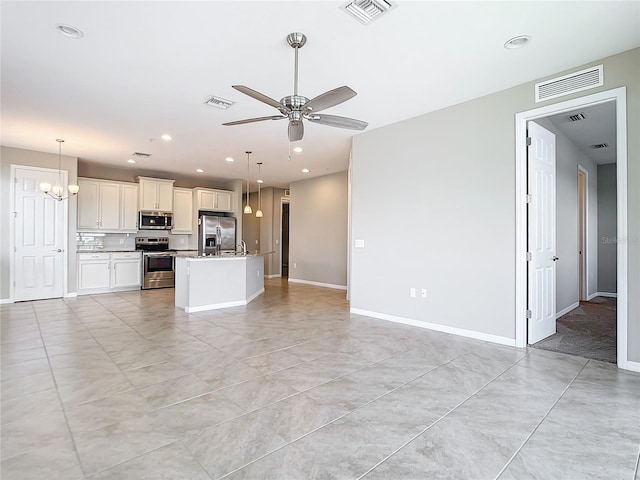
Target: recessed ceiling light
[
  {"x": 166, "y": 137},
  {"x": 517, "y": 42},
  {"x": 298, "y": 149},
  {"x": 69, "y": 31},
  {"x": 199, "y": 170},
  {"x": 229, "y": 159},
  {"x": 305, "y": 170},
  {"x": 131, "y": 160}
]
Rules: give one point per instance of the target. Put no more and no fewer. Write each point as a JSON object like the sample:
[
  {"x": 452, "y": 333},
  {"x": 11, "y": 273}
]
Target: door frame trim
[
  {"x": 583, "y": 290},
  {"x": 12, "y": 229},
  {"x": 283, "y": 200},
  {"x": 619, "y": 96}
]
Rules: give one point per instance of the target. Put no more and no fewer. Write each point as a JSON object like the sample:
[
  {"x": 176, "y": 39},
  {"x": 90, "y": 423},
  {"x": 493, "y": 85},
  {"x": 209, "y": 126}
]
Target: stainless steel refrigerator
[{"x": 216, "y": 234}]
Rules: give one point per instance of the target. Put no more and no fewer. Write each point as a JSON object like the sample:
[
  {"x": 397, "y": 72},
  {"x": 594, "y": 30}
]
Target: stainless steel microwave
[{"x": 155, "y": 220}]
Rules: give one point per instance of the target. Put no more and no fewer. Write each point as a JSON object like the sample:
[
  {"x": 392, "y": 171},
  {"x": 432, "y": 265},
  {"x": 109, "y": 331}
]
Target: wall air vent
[
  {"x": 365, "y": 11},
  {"x": 600, "y": 145},
  {"x": 219, "y": 102},
  {"x": 577, "y": 117},
  {"x": 572, "y": 83},
  {"x": 141, "y": 154}
]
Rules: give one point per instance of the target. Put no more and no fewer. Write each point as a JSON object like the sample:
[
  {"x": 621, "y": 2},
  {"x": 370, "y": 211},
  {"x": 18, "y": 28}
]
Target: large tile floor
[{"x": 125, "y": 386}]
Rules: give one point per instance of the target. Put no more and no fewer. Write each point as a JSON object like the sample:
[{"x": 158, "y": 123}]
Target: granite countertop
[
  {"x": 105, "y": 250},
  {"x": 224, "y": 256}
]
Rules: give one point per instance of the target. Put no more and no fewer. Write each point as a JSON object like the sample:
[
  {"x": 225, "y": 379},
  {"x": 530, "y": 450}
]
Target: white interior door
[
  {"x": 542, "y": 233},
  {"x": 38, "y": 237}
]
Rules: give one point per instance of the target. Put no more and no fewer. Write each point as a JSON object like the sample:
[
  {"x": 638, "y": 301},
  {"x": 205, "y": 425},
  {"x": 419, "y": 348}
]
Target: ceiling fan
[{"x": 296, "y": 107}]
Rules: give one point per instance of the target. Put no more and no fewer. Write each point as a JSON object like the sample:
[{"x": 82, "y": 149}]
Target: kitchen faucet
[{"x": 243, "y": 245}]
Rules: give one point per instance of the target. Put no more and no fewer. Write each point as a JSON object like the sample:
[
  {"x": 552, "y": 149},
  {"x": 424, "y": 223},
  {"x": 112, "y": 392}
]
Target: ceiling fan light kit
[{"x": 297, "y": 108}]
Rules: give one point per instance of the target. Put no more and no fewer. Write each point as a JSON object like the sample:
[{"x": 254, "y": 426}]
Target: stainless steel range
[{"x": 158, "y": 262}]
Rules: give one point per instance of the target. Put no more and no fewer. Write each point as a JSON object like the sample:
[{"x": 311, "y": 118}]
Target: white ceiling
[{"x": 145, "y": 68}]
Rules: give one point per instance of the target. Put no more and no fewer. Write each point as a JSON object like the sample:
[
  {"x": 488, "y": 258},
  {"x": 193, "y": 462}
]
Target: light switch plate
[{"x": 360, "y": 243}]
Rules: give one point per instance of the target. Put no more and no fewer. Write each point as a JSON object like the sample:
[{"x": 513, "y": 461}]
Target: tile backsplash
[
  {"x": 105, "y": 241},
  {"x": 126, "y": 241}
]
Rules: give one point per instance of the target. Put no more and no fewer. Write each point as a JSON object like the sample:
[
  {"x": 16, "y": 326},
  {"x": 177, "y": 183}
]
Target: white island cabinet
[{"x": 208, "y": 283}]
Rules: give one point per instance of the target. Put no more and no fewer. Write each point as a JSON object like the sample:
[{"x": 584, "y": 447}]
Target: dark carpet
[{"x": 588, "y": 331}]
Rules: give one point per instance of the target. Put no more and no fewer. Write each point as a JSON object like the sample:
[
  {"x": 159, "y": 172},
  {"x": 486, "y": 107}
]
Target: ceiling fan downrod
[{"x": 296, "y": 40}]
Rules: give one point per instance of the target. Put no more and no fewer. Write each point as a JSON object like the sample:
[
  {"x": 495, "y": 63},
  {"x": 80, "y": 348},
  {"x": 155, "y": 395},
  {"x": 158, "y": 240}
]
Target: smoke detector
[
  {"x": 365, "y": 11},
  {"x": 219, "y": 102}
]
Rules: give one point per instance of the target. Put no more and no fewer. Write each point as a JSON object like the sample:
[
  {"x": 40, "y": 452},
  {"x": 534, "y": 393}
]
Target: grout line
[
  {"x": 55, "y": 383},
  {"x": 526, "y": 440},
  {"x": 438, "y": 420}
]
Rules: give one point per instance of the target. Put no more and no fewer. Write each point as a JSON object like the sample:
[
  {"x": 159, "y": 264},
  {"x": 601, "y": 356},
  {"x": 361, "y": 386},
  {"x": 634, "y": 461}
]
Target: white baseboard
[
  {"x": 71, "y": 295},
  {"x": 318, "y": 284},
  {"x": 273, "y": 276},
  {"x": 602, "y": 294},
  {"x": 511, "y": 342},
  {"x": 564, "y": 311},
  {"x": 5, "y": 300},
  {"x": 633, "y": 366},
  {"x": 216, "y": 306}
]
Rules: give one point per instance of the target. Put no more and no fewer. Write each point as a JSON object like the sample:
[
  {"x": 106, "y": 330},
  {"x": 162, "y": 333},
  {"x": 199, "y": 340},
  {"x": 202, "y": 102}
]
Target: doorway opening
[
  {"x": 588, "y": 274},
  {"x": 582, "y": 232},
  {"x": 284, "y": 238}
]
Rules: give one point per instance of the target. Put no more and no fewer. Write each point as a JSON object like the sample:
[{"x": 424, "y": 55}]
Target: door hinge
[
  {"x": 528, "y": 141},
  {"x": 529, "y": 257},
  {"x": 528, "y": 313},
  {"x": 528, "y": 198}
]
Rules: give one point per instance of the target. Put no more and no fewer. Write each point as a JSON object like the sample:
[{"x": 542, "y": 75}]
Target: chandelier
[{"x": 56, "y": 191}]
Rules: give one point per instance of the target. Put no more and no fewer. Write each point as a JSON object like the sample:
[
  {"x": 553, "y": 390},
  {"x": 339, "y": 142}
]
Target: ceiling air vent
[
  {"x": 577, "y": 117},
  {"x": 141, "y": 154},
  {"x": 600, "y": 145},
  {"x": 219, "y": 102},
  {"x": 574, "y": 82},
  {"x": 366, "y": 11}
]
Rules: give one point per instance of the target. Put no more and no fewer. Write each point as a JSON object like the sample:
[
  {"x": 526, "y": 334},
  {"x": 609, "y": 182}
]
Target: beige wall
[
  {"x": 443, "y": 186},
  {"x": 607, "y": 226},
  {"x": 15, "y": 156},
  {"x": 266, "y": 230},
  {"x": 318, "y": 230}
]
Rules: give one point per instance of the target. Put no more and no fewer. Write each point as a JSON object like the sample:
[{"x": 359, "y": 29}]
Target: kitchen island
[{"x": 220, "y": 281}]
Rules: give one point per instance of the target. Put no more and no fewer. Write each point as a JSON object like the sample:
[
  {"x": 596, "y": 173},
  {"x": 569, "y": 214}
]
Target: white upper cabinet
[
  {"x": 98, "y": 205},
  {"x": 129, "y": 208},
  {"x": 107, "y": 206},
  {"x": 156, "y": 194},
  {"x": 215, "y": 200},
  {"x": 182, "y": 211}
]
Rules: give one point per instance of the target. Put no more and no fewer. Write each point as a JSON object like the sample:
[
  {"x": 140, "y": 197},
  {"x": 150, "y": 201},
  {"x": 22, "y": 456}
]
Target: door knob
[
  {"x": 555, "y": 259},
  {"x": 59, "y": 250}
]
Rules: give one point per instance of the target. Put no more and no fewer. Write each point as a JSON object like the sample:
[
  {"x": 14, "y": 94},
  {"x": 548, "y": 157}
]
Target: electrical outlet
[
  {"x": 256, "y": 242},
  {"x": 182, "y": 241},
  {"x": 122, "y": 241},
  {"x": 295, "y": 265},
  {"x": 277, "y": 241},
  {"x": 258, "y": 273},
  {"x": 424, "y": 293},
  {"x": 412, "y": 292}
]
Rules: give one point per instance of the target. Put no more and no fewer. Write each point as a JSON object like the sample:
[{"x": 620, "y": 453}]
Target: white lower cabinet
[{"x": 107, "y": 272}]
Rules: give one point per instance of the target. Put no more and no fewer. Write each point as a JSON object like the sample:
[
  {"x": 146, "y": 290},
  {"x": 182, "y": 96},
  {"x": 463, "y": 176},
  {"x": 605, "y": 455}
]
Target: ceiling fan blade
[
  {"x": 329, "y": 99},
  {"x": 335, "y": 121},
  {"x": 258, "y": 96},
  {"x": 296, "y": 131},
  {"x": 258, "y": 119}
]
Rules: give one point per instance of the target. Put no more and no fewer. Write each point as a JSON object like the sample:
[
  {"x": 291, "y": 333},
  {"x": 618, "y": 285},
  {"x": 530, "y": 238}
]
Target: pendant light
[
  {"x": 247, "y": 207},
  {"x": 56, "y": 190},
  {"x": 259, "y": 211}
]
